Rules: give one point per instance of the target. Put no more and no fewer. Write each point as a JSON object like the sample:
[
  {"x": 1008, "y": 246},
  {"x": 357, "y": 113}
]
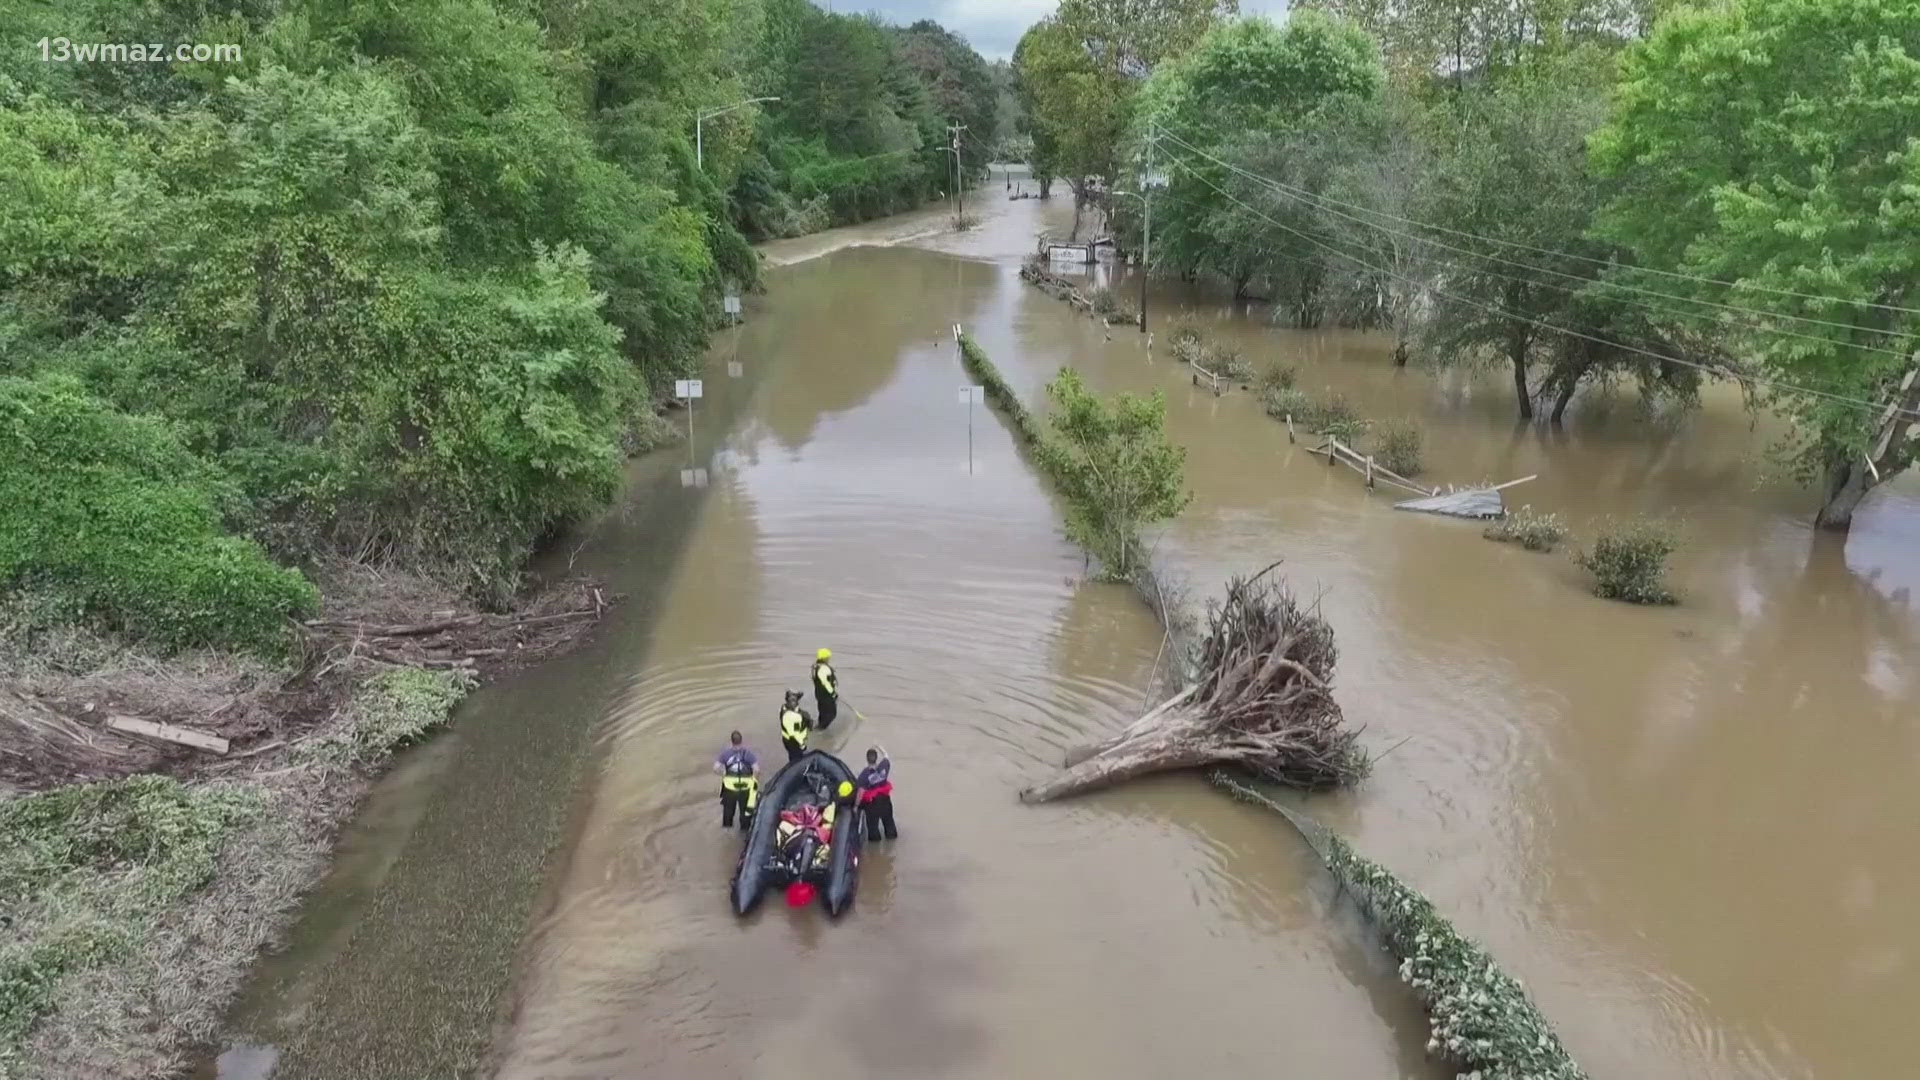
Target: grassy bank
[{"x": 138, "y": 880}]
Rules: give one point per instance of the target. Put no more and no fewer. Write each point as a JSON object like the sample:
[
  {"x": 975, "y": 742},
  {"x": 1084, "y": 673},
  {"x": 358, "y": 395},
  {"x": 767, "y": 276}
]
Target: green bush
[
  {"x": 1528, "y": 528},
  {"x": 1278, "y": 376},
  {"x": 1336, "y": 416},
  {"x": 1397, "y": 444},
  {"x": 1284, "y": 401},
  {"x": 1104, "y": 302},
  {"x": 1226, "y": 360},
  {"x": 1185, "y": 329},
  {"x": 109, "y": 511},
  {"x": 1628, "y": 561}
]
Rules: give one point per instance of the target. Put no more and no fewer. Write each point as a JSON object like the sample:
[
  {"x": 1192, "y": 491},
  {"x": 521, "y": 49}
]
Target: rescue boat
[{"x": 810, "y": 780}]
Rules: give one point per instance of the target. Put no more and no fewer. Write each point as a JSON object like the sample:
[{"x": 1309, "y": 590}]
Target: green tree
[
  {"x": 1253, "y": 97},
  {"x": 1116, "y": 467},
  {"x": 1762, "y": 150},
  {"x": 1517, "y": 281},
  {"x": 1079, "y": 69}
]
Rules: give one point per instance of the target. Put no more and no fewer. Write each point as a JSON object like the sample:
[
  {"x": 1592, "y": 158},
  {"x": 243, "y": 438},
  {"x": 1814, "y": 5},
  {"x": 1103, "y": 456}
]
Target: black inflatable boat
[{"x": 811, "y": 780}]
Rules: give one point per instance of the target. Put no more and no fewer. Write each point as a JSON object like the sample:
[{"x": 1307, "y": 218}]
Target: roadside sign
[
  {"x": 693, "y": 478},
  {"x": 972, "y": 395},
  {"x": 732, "y": 305},
  {"x": 686, "y": 388},
  {"x": 734, "y": 369}
]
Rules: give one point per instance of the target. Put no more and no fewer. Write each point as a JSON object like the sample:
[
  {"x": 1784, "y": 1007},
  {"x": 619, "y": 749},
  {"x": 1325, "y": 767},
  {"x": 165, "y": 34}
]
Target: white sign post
[
  {"x": 734, "y": 369},
  {"x": 970, "y": 396},
  {"x": 731, "y": 305},
  {"x": 687, "y": 390}
]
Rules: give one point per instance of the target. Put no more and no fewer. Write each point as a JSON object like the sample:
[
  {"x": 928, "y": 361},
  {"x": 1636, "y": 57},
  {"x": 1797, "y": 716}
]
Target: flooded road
[{"x": 1685, "y": 829}]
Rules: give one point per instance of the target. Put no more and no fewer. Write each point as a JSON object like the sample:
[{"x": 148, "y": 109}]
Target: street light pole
[
  {"x": 699, "y": 121},
  {"x": 1146, "y": 246}
]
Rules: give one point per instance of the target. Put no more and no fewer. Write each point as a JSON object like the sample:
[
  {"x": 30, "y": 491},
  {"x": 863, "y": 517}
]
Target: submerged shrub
[
  {"x": 1185, "y": 329},
  {"x": 1482, "y": 1020},
  {"x": 1104, "y": 302},
  {"x": 1528, "y": 528},
  {"x": 1282, "y": 402},
  {"x": 1397, "y": 445},
  {"x": 1226, "y": 360},
  {"x": 1278, "y": 376},
  {"x": 1336, "y": 416},
  {"x": 1628, "y": 561}
]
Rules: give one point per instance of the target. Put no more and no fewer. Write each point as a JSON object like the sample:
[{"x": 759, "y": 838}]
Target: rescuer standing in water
[
  {"x": 826, "y": 691},
  {"x": 876, "y": 794},
  {"x": 795, "y": 725},
  {"x": 739, "y": 771}
]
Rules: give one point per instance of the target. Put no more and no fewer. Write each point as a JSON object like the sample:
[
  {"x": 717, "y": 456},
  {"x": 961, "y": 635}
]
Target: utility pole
[
  {"x": 1146, "y": 228},
  {"x": 959, "y": 199}
]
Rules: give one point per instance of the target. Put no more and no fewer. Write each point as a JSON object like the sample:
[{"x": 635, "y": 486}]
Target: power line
[
  {"x": 1641, "y": 304},
  {"x": 1314, "y": 199},
  {"x": 1646, "y": 269},
  {"x": 1781, "y": 386}
]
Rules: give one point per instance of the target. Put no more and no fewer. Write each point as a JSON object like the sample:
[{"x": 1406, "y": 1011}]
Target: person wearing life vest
[
  {"x": 826, "y": 691},
  {"x": 739, "y": 770},
  {"x": 876, "y": 795},
  {"x": 795, "y": 725}
]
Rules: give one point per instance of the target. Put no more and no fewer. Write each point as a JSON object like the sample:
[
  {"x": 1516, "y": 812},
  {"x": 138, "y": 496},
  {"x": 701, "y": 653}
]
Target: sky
[{"x": 992, "y": 27}]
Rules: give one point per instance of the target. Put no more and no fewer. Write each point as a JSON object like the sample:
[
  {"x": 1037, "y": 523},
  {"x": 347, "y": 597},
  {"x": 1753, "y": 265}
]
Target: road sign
[
  {"x": 732, "y": 305},
  {"x": 734, "y": 369},
  {"x": 972, "y": 395},
  {"x": 693, "y": 478},
  {"x": 686, "y": 388}
]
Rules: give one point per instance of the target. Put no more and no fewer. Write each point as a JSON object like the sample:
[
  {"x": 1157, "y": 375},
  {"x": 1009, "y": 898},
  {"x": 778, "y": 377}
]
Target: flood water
[{"x": 1684, "y": 829}]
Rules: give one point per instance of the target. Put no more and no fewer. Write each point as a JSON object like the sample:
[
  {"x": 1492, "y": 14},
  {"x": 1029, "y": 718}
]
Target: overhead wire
[
  {"x": 1315, "y": 200},
  {"x": 1749, "y": 286},
  {"x": 1878, "y": 407}
]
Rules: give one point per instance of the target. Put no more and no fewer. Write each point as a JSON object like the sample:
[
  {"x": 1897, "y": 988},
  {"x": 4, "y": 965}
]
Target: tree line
[
  {"x": 1585, "y": 193},
  {"x": 403, "y": 283}
]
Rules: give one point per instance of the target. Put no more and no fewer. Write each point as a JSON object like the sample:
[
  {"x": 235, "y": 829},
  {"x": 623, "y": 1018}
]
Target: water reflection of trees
[
  {"x": 863, "y": 308},
  {"x": 1763, "y": 845}
]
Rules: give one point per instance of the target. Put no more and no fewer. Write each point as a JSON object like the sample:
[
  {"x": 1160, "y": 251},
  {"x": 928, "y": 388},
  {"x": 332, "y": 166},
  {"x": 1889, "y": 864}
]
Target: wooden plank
[
  {"x": 1510, "y": 483},
  {"x": 199, "y": 740}
]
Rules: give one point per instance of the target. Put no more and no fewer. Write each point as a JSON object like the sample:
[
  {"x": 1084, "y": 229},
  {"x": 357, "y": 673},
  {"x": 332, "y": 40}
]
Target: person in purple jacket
[
  {"x": 876, "y": 794},
  {"x": 739, "y": 771}
]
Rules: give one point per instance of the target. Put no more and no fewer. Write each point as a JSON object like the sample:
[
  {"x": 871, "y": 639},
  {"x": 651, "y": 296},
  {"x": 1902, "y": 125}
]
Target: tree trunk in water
[
  {"x": 1177, "y": 747},
  {"x": 1847, "y": 483},
  {"x": 1400, "y": 351},
  {"x": 1079, "y": 204},
  {"x": 1517, "y": 353},
  {"x": 1567, "y": 387}
]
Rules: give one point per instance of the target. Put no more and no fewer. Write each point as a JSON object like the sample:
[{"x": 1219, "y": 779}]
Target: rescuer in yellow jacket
[
  {"x": 826, "y": 688},
  {"x": 795, "y": 725}
]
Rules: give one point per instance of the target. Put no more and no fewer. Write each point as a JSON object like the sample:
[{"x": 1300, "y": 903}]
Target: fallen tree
[{"x": 1262, "y": 700}]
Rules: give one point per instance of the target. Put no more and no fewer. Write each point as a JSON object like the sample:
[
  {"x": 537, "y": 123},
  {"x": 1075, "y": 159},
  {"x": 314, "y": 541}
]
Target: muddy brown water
[{"x": 1685, "y": 829}]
